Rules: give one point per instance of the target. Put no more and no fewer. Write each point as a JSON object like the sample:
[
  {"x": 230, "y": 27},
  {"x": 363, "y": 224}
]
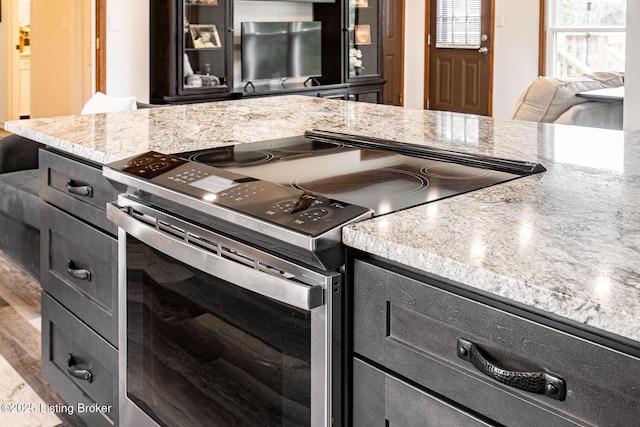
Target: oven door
[{"x": 214, "y": 332}]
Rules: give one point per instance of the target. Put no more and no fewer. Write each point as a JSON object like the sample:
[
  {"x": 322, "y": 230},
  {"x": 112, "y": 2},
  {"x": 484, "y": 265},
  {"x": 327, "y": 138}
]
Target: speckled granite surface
[{"x": 566, "y": 241}]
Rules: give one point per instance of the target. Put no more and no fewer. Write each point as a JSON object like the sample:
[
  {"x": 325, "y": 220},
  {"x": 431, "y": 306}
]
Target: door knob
[{"x": 484, "y": 50}]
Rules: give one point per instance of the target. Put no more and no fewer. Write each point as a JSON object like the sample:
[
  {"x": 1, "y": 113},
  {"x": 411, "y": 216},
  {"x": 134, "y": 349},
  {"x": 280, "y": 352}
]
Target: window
[
  {"x": 458, "y": 23},
  {"x": 584, "y": 36}
]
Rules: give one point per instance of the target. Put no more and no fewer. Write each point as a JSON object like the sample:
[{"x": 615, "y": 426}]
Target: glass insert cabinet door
[
  {"x": 205, "y": 43},
  {"x": 363, "y": 30}
]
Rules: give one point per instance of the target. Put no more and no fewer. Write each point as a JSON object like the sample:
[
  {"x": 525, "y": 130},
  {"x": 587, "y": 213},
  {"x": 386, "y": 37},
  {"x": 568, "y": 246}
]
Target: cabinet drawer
[
  {"x": 380, "y": 399},
  {"x": 95, "y": 399},
  {"x": 77, "y": 188},
  {"x": 80, "y": 270},
  {"x": 412, "y": 328}
]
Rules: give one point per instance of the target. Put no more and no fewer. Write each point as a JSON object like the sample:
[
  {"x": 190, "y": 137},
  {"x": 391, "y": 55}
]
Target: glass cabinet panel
[
  {"x": 363, "y": 38},
  {"x": 205, "y": 67}
]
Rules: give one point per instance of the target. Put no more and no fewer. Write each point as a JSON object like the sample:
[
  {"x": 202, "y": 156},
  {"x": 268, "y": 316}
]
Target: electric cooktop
[
  {"x": 381, "y": 178},
  {"x": 303, "y": 190}
]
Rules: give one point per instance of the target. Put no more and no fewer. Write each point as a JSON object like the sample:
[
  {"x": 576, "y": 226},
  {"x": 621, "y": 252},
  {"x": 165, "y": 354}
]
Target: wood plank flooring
[{"x": 22, "y": 385}]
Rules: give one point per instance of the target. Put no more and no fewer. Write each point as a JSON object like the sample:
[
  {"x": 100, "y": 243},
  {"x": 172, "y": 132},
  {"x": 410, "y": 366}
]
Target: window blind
[{"x": 458, "y": 23}]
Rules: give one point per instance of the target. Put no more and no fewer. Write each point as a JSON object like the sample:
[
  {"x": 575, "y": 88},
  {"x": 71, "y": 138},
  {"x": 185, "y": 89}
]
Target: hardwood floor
[{"x": 24, "y": 395}]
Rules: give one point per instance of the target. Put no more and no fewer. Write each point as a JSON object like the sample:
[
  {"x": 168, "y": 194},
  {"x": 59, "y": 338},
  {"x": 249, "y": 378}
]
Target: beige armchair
[{"x": 554, "y": 100}]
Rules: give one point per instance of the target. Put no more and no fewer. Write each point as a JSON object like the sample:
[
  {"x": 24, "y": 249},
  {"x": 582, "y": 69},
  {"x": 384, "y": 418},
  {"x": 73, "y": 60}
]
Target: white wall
[
  {"x": 515, "y": 61},
  {"x": 128, "y": 49},
  {"x": 414, "y": 50},
  {"x": 632, "y": 68}
]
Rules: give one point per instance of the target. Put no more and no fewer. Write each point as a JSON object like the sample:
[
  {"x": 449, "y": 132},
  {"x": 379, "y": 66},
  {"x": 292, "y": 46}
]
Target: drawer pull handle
[
  {"x": 80, "y": 190},
  {"x": 534, "y": 382},
  {"x": 78, "y": 273},
  {"x": 83, "y": 374}
]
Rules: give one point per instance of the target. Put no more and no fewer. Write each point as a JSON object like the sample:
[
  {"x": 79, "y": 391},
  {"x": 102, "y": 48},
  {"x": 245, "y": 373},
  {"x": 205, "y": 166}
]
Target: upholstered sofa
[
  {"x": 20, "y": 202},
  {"x": 555, "y": 100}
]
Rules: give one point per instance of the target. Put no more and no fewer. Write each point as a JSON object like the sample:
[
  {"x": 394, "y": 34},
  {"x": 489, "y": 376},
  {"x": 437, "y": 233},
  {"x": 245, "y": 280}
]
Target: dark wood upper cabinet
[
  {"x": 193, "y": 57},
  {"x": 352, "y": 46},
  {"x": 191, "y": 49}
]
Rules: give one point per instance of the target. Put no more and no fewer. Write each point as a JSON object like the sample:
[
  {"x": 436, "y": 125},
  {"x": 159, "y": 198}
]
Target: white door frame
[{"x": 13, "y": 59}]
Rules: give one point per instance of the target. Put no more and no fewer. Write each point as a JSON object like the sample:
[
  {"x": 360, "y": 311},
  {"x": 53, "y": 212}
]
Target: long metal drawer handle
[
  {"x": 534, "y": 382},
  {"x": 80, "y": 190},
  {"x": 78, "y": 273},
  {"x": 299, "y": 295},
  {"x": 83, "y": 374}
]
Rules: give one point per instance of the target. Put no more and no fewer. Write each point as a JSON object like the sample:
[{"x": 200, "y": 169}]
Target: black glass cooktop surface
[{"x": 381, "y": 180}]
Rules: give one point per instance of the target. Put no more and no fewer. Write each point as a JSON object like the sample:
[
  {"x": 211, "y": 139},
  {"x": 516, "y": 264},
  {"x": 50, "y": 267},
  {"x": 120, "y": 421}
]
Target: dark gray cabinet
[
  {"x": 79, "y": 364},
  {"x": 76, "y": 187},
  {"x": 79, "y": 287},
  {"x": 410, "y": 329},
  {"x": 80, "y": 270},
  {"x": 381, "y": 397}
]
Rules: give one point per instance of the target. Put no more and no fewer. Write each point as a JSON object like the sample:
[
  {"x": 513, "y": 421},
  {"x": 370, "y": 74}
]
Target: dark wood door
[
  {"x": 393, "y": 58},
  {"x": 460, "y": 45}
]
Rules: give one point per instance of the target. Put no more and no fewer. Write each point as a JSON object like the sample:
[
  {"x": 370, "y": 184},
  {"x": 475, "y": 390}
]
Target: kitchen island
[
  {"x": 562, "y": 244},
  {"x": 566, "y": 241}
]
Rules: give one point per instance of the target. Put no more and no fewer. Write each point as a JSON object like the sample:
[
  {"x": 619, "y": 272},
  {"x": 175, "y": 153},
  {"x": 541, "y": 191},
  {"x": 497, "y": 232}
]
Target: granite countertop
[{"x": 566, "y": 241}]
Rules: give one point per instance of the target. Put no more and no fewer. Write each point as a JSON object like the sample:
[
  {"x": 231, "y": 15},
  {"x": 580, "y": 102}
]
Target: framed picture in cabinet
[
  {"x": 205, "y": 36},
  {"x": 362, "y": 34}
]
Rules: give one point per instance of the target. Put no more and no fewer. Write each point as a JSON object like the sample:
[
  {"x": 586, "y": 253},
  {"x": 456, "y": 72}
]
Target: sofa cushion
[
  {"x": 547, "y": 98},
  {"x": 19, "y": 196},
  {"x": 604, "y": 115},
  {"x": 101, "y": 103}
]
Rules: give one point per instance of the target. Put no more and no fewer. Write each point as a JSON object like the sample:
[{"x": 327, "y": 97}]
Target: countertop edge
[{"x": 554, "y": 303}]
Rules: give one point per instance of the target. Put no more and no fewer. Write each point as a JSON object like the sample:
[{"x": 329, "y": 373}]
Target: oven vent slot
[
  {"x": 203, "y": 243},
  {"x": 171, "y": 229},
  {"x": 236, "y": 256},
  {"x": 142, "y": 217}
]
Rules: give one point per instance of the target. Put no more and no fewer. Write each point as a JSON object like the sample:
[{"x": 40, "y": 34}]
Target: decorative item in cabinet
[
  {"x": 363, "y": 38},
  {"x": 205, "y": 66}
]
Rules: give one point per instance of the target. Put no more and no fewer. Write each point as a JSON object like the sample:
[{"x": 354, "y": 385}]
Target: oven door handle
[{"x": 290, "y": 292}]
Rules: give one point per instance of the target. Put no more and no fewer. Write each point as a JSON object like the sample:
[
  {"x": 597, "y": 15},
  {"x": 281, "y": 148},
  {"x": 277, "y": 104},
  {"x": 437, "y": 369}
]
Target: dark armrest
[{"x": 18, "y": 153}]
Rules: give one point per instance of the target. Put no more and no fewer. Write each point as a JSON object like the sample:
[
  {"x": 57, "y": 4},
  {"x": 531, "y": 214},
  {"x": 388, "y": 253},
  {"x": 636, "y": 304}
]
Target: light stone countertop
[{"x": 566, "y": 241}]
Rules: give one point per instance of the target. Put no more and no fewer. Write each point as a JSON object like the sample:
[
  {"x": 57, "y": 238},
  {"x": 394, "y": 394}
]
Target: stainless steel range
[{"x": 231, "y": 290}]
